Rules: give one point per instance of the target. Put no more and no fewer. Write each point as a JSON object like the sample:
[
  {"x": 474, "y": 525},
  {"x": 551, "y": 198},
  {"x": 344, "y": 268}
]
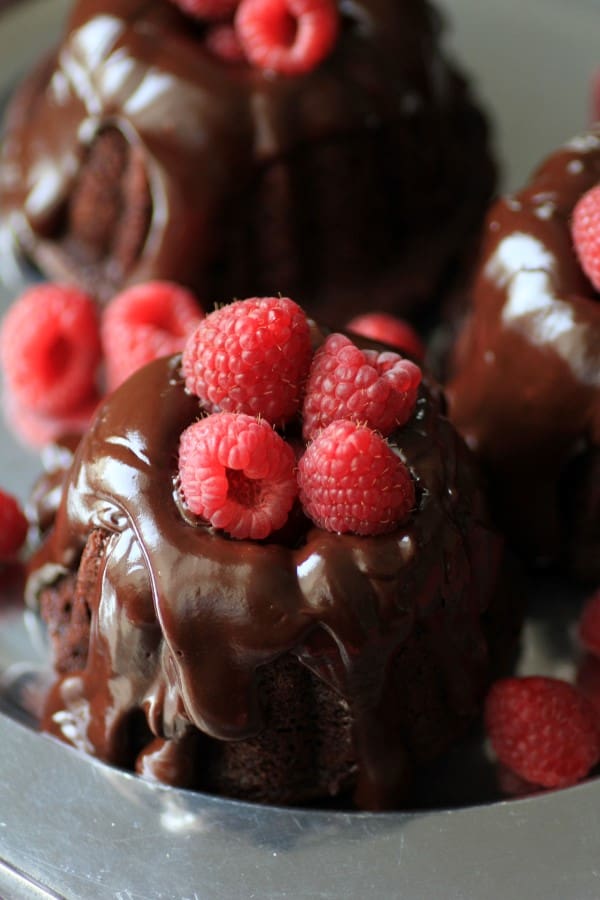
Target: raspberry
[
  {"x": 37, "y": 430},
  {"x": 222, "y": 42},
  {"x": 588, "y": 681},
  {"x": 251, "y": 357},
  {"x": 351, "y": 481},
  {"x": 13, "y": 526},
  {"x": 237, "y": 473},
  {"x": 207, "y": 9},
  {"x": 144, "y": 322},
  {"x": 377, "y": 389},
  {"x": 589, "y": 624},
  {"x": 287, "y": 36},
  {"x": 379, "y": 326},
  {"x": 542, "y": 729},
  {"x": 50, "y": 349},
  {"x": 585, "y": 230}
]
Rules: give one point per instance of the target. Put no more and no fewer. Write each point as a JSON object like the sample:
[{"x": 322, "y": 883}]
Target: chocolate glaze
[
  {"x": 184, "y": 622},
  {"x": 215, "y": 141},
  {"x": 526, "y": 385}
]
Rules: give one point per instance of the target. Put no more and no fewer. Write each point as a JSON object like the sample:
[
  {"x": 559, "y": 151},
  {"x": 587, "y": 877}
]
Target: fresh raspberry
[
  {"x": 222, "y": 42},
  {"x": 589, "y": 624},
  {"x": 287, "y": 36},
  {"x": 13, "y": 526},
  {"x": 237, "y": 473},
  {"x": 379, "y": 326},
  {"x": 207, "y": 9},
  {"x": 36, "y": 430},
  {"x": 252, "y": 357},
  {"x": 144, "y": 322},
  {"x": 588, "y": 680},
  {"x": 351, "y": 481},
  {"x": 377, "y": 389},
  {"x": 585, "y": 230},
  {"x": 542, "y": 729},
  {"x": 50, "y": 348}
]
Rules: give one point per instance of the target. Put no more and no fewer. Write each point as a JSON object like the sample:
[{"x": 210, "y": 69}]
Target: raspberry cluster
[
  {"x": 54, "y": 342},
  {"x": 289, "y": 37},
  {"x": 252, "y": 368},
  {"x": 546, "y": 732}
]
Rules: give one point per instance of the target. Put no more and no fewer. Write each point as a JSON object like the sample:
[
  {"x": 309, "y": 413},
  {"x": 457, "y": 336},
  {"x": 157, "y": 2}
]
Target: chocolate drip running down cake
[
  {"x": 132, "y": 154},
  {"x": 292, "y": 670},
  {"x": 526, "y": 385}
]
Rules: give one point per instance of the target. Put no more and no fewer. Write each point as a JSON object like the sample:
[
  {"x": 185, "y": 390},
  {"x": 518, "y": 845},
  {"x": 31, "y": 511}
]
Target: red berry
[
  {"x": 37, "y": 430},
  {"x": 542, "y": 729},
  {"x": 589, "y": 624},
  {"x": 50, "y": 348},
  {"x": 351, "y": 481},
  {"x": 379, "y": 326},
  {"x": 222, "y": 42},
  {"x": 586, "y": 234},
  {"x": 13, "y": 526},
  {"x": 377, "y": 389},
  {"x": 207, "y": 9},
  {"x": 588, "y": 680},
  {"x": 144, "y": 322},
  {"x": 252, "y": 357},
  {"x": 237, "y": 473},
  {"x": 287, "y": 36}
]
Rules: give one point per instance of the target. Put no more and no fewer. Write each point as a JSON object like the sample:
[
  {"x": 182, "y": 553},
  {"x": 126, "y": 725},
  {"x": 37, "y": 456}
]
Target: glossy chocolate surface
[
  {"x": 206, "y": 132},
  {"x": 526, "y": 388},
  {"x": 183, "y": 618}
]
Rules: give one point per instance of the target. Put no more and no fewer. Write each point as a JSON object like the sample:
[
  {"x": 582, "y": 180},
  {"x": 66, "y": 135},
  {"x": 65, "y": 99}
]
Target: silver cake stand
[{"x": 72, "y": 827}]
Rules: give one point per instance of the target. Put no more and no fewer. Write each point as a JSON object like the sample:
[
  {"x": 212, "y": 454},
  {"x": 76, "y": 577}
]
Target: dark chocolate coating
[
  {"x": 526, "y": 385},
  {"x": 132, "y": 154},
  {"x": 188, "y": 626}
]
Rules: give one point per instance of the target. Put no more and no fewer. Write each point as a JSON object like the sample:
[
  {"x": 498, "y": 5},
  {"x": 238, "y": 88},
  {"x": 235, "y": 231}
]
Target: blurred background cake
[
  {"x": 145, "y": 148},
  {"x": 525, "y": 391}
]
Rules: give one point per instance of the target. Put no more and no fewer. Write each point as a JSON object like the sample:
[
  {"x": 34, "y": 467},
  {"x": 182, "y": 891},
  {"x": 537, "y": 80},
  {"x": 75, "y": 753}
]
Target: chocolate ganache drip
[
  {"x": 133, "y": 154},
  {"x": 526, "y": 388},
  {"x": 187, "y": 626}
]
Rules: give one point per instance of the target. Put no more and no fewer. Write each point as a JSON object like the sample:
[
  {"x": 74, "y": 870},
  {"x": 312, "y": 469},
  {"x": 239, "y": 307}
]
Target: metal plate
[{"x": 72, "y": 827}]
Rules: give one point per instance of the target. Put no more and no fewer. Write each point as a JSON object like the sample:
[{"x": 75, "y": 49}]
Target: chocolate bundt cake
[
  {"x": 294, "y": 669},
  {"x": 134, "y": 153},
  {"x": 525, "y": 391}
]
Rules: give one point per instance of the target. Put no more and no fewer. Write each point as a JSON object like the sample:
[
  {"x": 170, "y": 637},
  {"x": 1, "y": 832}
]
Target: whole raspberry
[
  {"x": 388, "y": 329},
  {"x": 252, "y": 357},
  {"x": 377, "y": 389},
  {"x": 144, "y": 322},
  {"x": 351, "y": 481},
  {"x": 589, "y": 624},
  {"x": 222, "y": 42},
  {"x": 588, "y": 680},
  {"x": 287, "y": 36},
  {"x": 50, "y": 349},
  {"x": 585, "y": 230},
  {"x": 238, "y": 474},
  {"x": 37, "y": 430},
  {"x": 542, "y": 729},
  {"x": 13, "y": 526},
  {"x": 207, "y": 9}
]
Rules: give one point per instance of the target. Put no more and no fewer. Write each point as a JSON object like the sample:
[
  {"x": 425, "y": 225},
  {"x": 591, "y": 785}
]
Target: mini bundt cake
[
  {"x": 137, "y": 152},
  {"x": 525, "y": 389},
  {"x": 328, "y": 658}
]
